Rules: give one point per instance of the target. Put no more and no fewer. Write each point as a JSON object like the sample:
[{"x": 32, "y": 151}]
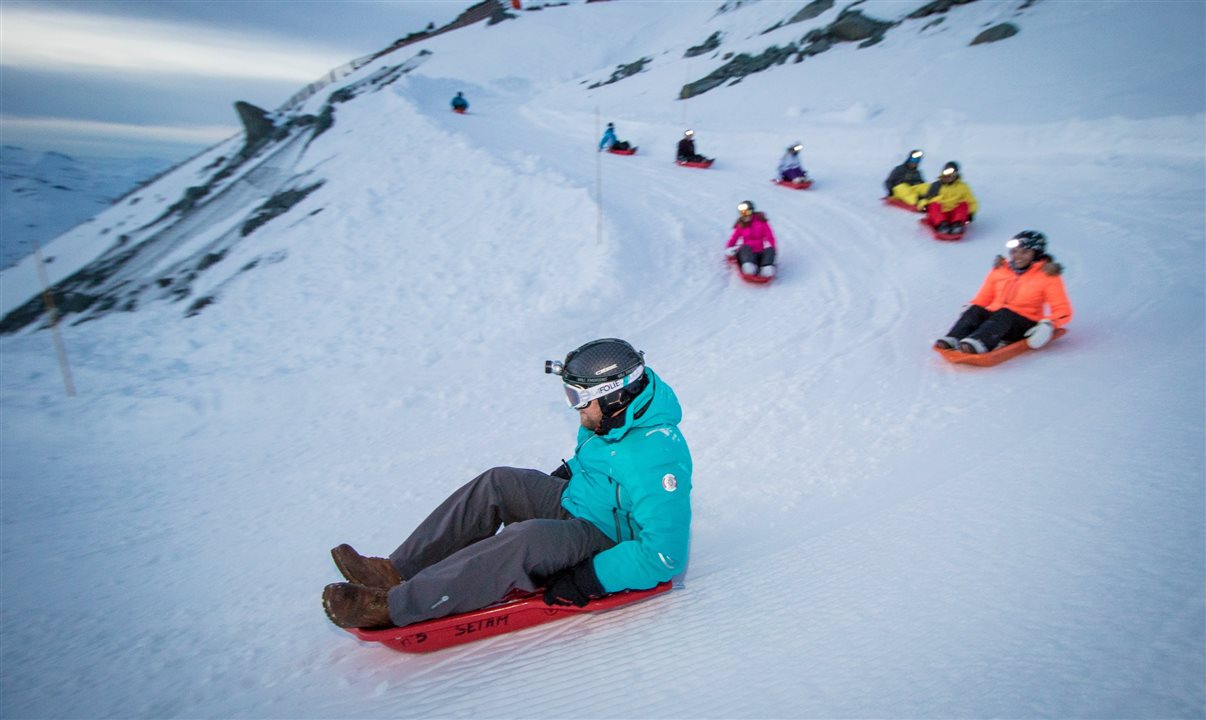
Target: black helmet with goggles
[{"x": 609, "y": 370}]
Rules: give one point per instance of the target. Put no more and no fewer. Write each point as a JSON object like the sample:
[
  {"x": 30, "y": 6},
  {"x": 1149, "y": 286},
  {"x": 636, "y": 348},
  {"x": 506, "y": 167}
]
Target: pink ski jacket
[{"x": 757, "y": 234}]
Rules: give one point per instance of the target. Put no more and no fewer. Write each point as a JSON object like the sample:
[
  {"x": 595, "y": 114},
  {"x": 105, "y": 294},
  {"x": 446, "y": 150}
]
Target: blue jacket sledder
[{"x": 634, "y": 484}]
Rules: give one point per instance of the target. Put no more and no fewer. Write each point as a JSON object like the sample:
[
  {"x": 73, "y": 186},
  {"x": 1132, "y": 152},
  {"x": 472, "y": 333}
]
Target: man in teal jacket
[{"x": 615, "y": 516}]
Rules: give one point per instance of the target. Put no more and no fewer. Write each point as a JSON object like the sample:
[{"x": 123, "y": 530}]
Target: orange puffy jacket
[{"x": 1028, "y": 294}]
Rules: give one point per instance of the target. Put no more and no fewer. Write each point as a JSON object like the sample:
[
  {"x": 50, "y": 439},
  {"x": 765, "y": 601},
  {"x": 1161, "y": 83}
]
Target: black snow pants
[
  {"x": 458, "y": 560},
  {"x": 745, "y": 254},
  {"x": 991, "y": 328}
]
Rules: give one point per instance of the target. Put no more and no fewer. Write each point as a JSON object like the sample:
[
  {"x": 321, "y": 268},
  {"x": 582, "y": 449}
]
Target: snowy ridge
[{"x": 875, "y": 532}]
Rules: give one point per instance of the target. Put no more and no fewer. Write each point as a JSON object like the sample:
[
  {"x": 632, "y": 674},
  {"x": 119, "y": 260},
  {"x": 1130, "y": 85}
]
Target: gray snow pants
[{"x": 457, "y": 560}]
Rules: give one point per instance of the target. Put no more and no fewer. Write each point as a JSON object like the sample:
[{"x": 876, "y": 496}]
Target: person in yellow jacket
[
  {"x": 1022, "y": 298},
  {"x": 949, "y": 204}
]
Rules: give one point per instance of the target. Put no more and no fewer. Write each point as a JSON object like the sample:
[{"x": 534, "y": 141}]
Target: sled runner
[
  {"x": 755, "y": 279},
  {"x": 949, "y": 237},
  {"x": 794, "y": 185},
  {"x": 994, "y": 357},
  {"x": 691, "y": 163},
  {"x": 522, "y": 612},
  {"x": 629, "y": 151},
  {"x": 897, "y": 202}
]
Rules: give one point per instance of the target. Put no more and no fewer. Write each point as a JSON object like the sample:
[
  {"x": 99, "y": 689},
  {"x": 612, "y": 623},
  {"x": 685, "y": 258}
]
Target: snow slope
[{"x": 876, "y": 532}]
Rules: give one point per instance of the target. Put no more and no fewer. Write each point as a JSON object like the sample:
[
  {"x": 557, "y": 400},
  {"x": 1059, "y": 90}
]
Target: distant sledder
[
  {"x": 949, "y": 204},
  {"x": 791, "y": 173},
  {"x": 752, "y": 245},
  {"x": 1011, "y": 306},
  {"x": 612, "y": 145},
  {"x": 459, "y": 104},
  {"x": 905, "y": 183},
  {"x": 686, "y": 155}
]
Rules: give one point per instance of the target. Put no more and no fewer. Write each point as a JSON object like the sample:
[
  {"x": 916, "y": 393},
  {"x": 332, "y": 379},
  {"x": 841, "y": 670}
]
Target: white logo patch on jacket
[{"x": 669, "y": 482}]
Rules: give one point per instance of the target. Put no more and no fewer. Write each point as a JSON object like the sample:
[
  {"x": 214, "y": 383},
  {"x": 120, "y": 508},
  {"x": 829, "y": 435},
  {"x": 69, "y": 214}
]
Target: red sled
[
  {"x": 629, "y": 151},
  {"x": 948, "y": 237},
  {"x": 794, "y": 185},
  {"x": 897, "y": 202},
  {"x": 695, "y": 164},
  {"x": 755, "y": 279},
  {"x": 523, "y": 612},
  {"x": 996, "y": 357},
  {"x": 460, "y": 111}
]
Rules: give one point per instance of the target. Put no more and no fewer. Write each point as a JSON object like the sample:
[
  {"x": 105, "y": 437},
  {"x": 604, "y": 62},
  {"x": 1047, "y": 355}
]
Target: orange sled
[
  {"x": 629, "y": 151},
  {"x": 995, "y": 357},
  {"x": 793, "y": 185},
  {"x": 523, "y": 612},
  {"x": 696, "y": 164}
]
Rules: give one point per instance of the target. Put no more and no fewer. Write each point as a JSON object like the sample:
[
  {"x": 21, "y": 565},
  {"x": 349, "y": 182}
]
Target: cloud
[
  {"x": 49, "y": 38},
  {"x": 187, "y": 134}
]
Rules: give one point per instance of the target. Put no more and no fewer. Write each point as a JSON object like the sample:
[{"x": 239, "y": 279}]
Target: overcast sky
[{"x": 105, "y": 78}]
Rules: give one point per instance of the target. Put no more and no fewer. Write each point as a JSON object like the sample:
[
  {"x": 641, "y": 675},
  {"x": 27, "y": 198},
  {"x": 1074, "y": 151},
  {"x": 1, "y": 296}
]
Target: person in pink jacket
[{"x": 752, "y": 242}]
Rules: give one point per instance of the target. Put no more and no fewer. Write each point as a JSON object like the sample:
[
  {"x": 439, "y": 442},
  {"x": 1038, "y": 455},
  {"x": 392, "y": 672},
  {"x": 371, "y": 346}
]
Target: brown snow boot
[
  {"x": 356, "y": 606},
  {"x": 371, "y": 571}
]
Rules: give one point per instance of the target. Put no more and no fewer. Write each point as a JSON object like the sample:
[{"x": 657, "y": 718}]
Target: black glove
[
  {"x": 576, "y": 586},
  {"x": 971, "y": 216},
  {"x": 563, "y": 471}
]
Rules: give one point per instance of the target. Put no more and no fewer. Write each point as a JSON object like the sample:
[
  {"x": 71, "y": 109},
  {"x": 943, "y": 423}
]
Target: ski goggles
[
  {"x": 745, "y": 208},
  {"x": 579, "y": 397},
  {"x": 916, "y": 155}
]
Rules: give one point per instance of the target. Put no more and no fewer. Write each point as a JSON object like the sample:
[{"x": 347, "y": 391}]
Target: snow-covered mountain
[
  {"x": 313, "y": 337},
  {"x": 45, "y": 194}
]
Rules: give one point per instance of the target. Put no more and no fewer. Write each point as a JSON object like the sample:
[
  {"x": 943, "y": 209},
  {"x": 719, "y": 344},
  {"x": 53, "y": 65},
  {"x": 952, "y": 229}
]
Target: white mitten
[
  {"x": 1040, "y": 334},
  {"x": 730, "y": 252}
]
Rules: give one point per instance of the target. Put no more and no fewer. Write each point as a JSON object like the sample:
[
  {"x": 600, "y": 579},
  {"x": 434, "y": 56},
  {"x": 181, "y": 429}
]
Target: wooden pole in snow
[{"x": 48, "y": 299}]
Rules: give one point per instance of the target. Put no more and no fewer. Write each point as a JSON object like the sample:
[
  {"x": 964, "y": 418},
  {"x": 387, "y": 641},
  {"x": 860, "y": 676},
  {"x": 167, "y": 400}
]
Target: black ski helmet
[
  {"x": 609, "y": 369},
  {"x": 915, "y": 156},
  {"x": 952, "y": 165},
  {"x": 746, "y": 207},
  {"x": 1030, "y": 240}
]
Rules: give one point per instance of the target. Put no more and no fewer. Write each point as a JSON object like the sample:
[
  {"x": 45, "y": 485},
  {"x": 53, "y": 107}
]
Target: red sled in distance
[
  {"x": 754, "y": 279},
  {"x": 522, "y": 612},
  {"x": 995, "y": 357},
  {"x": 793, "y": 185},
  {"x": 692, "y": 163},
  {"x": 897, "y": 202},
  {"x": 629, "y": 151},
  {"x": 460, "y": 111},
  {"x": 947, "y": 237}
]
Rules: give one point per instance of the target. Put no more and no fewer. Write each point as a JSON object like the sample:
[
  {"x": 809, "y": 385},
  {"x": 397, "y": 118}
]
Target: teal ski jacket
[{"x": 634, "y": 484}]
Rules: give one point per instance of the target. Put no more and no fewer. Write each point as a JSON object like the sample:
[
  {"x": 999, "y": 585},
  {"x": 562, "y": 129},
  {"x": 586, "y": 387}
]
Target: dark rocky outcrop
[
  {"x": 853, "y": 26},
  {"x": 850, "y": 26},
  {"x": 276, "y": 205},
  {"x": 623, "y": 71},
  {"x": 705, "y": 47},
  {"x": 737, "y": 68},
  {"x": 937, "y": 7},
  {"x": 257, "y": 127},
  {"x": 995, "y": 33},
  {"x": 812, "y": 10}
]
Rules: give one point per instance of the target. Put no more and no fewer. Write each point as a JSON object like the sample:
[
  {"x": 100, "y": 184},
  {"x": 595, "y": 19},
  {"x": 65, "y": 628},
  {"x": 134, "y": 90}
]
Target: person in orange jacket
[{"x": 1022, "y": 298}]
